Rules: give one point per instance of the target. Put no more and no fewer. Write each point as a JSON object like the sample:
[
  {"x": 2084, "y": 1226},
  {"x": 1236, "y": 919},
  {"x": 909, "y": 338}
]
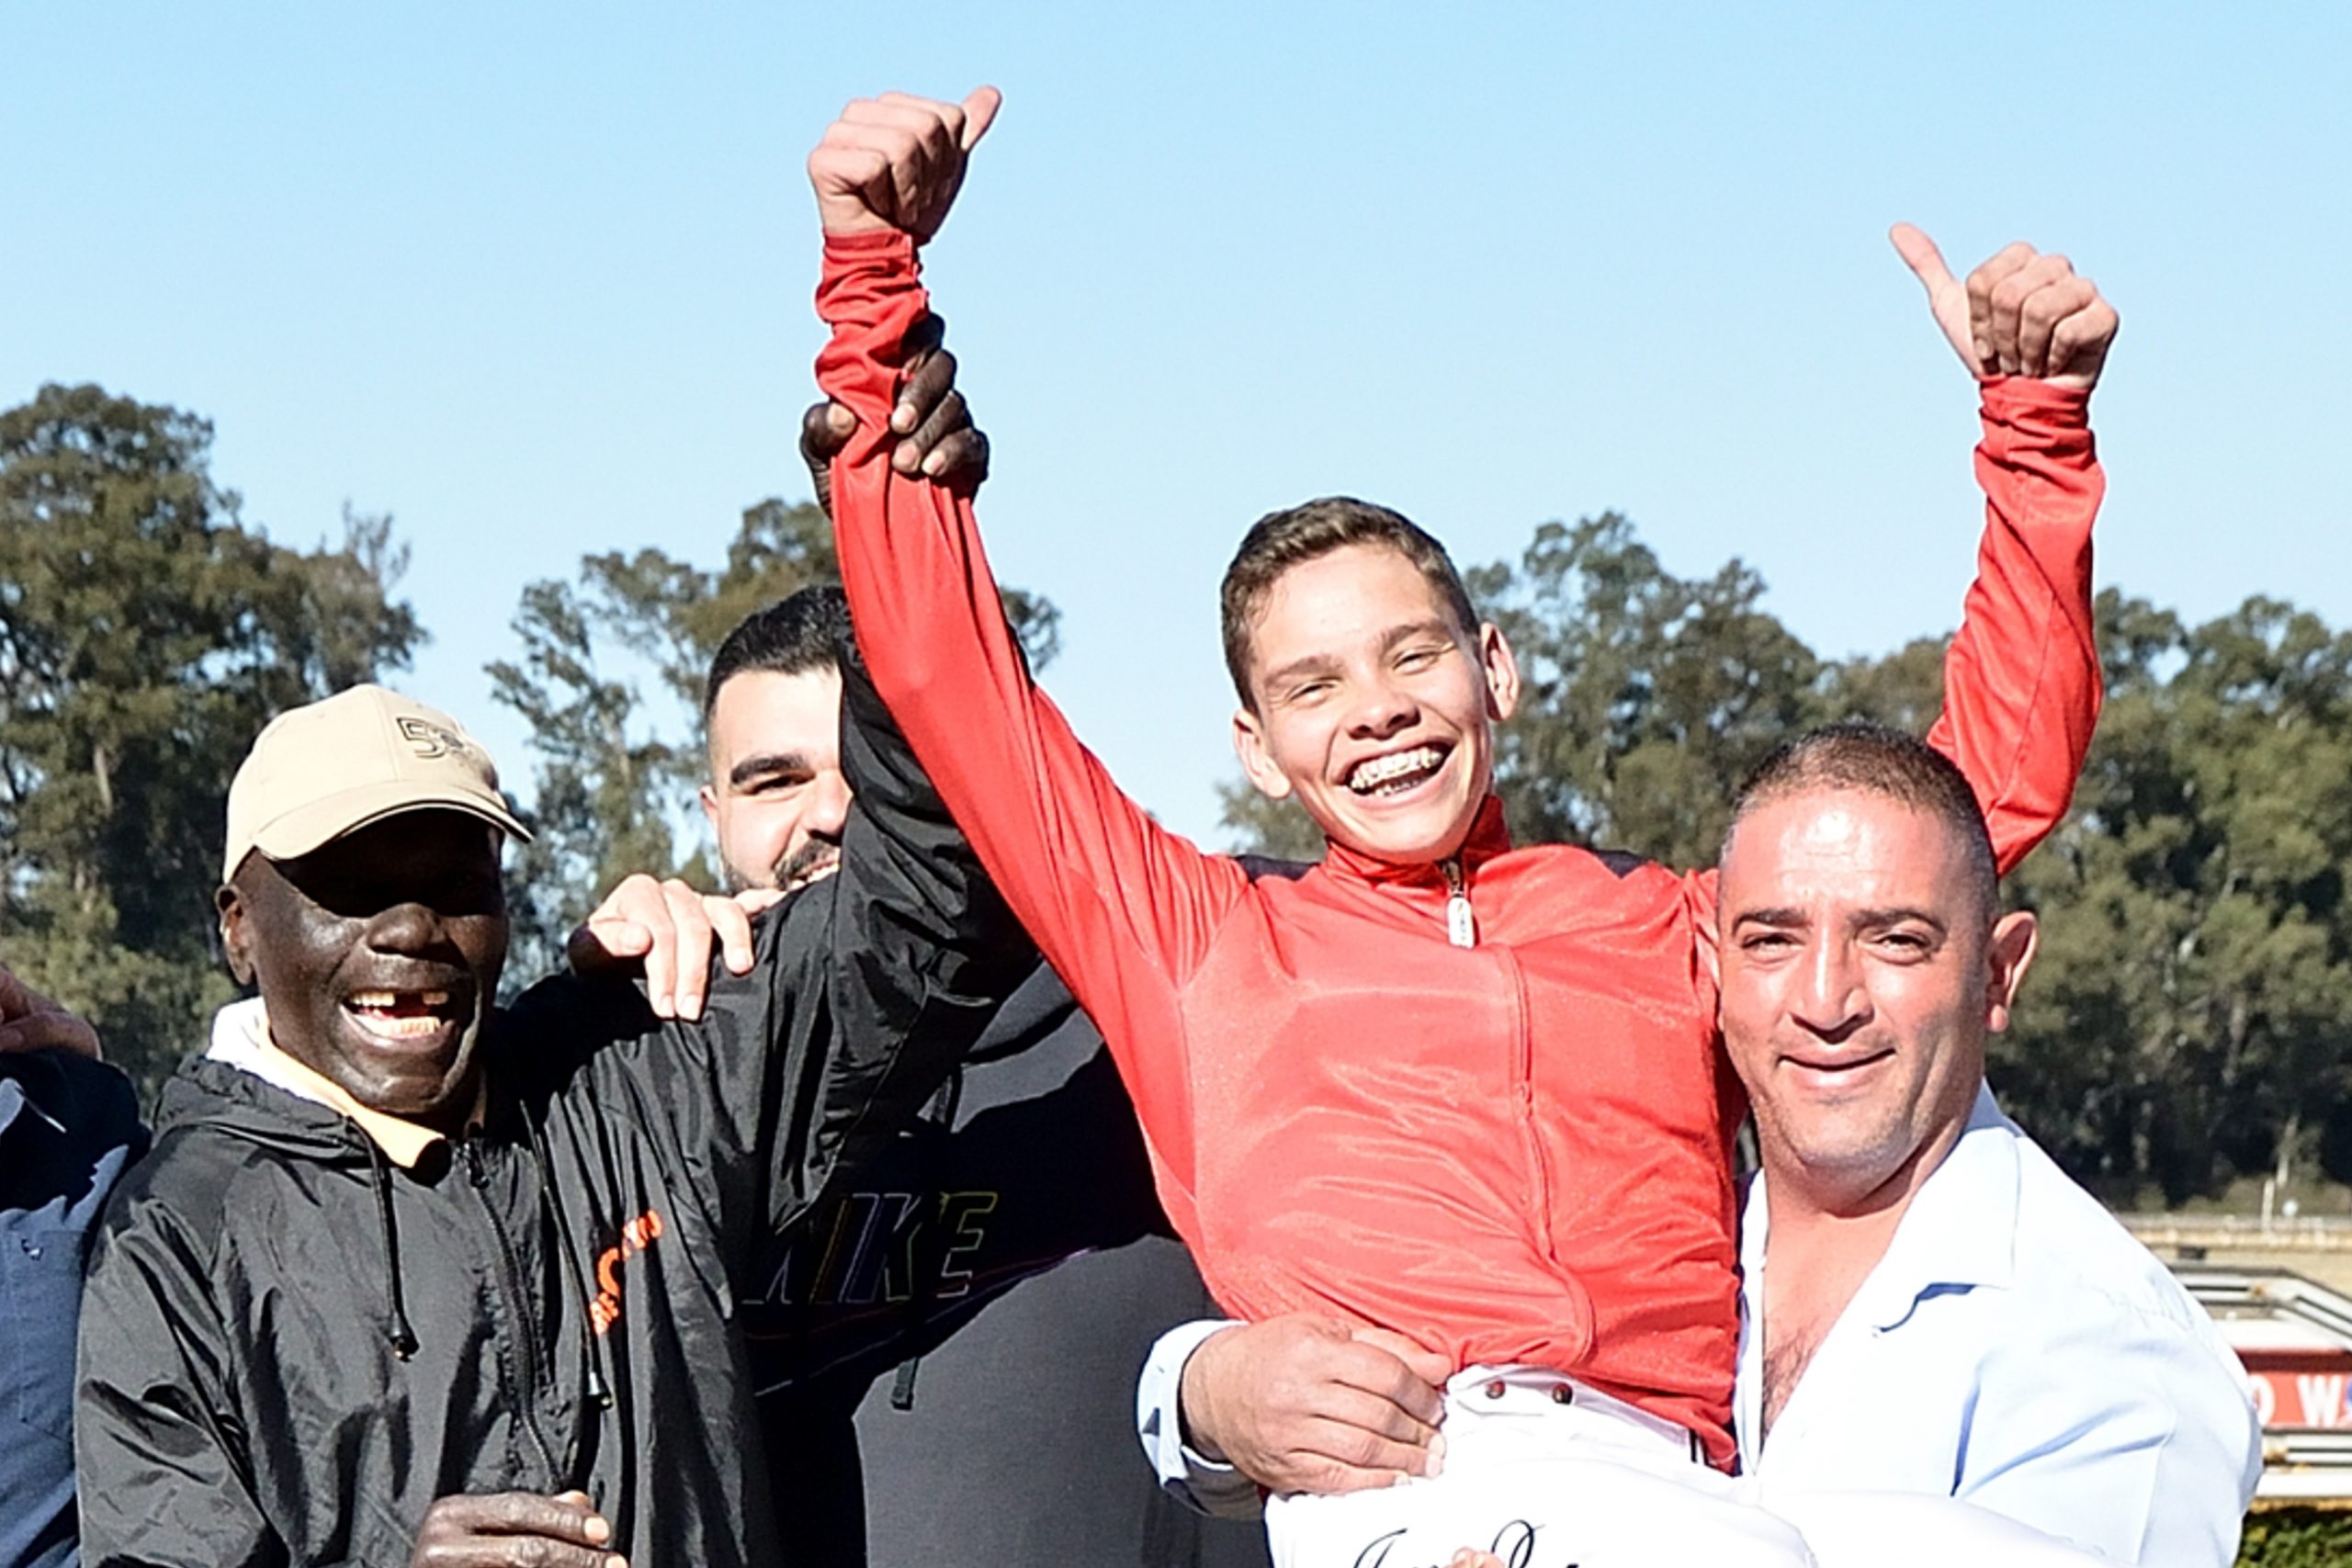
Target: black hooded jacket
[{"x": 290, "y": 1347}]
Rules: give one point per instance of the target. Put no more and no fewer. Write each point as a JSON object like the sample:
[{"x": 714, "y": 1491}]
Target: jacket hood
[{"x": 217, "y": 1094}]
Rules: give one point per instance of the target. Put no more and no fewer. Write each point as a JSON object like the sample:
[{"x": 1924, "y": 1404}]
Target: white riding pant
[{"x": 1545, "y": 1473}]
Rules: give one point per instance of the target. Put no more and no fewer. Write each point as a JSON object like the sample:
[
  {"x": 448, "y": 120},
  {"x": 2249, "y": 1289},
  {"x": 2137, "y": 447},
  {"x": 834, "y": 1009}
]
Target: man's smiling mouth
[
  {"x": 1835, "y": 1067},
  {"x": 1397, "y": 771},
  {"x": 400, "y": 1017}
]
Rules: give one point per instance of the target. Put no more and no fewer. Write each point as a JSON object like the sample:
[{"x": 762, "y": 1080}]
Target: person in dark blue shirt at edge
[{"x": 68, "y": 1123}]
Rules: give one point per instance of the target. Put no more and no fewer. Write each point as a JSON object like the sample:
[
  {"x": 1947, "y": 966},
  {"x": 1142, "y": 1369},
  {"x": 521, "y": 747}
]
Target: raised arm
[
  {"x": 1122, "y": 909},
  {"x": 924, "y": 950},
  {"x": 2021, "y": 680}
]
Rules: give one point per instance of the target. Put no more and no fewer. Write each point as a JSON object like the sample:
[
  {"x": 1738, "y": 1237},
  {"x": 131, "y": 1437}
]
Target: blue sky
[{"x": 536, "y": 281}]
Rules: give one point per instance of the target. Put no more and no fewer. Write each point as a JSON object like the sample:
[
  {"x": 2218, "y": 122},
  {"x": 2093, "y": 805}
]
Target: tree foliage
[
  {"x": 2295, "y": 1537},
  {"x": 146, "y": 634},
  {"x": 2190, "y": 1018}
]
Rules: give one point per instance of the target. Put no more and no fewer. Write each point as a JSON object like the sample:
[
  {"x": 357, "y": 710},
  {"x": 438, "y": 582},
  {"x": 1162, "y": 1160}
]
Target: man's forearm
[{"x": 1123, "y": 909}]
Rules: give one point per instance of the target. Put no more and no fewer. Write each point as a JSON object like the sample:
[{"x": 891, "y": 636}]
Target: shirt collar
[
  {"x": 1489, "y": 836},
  {"x": 241, "y": 1038},
  {"x": 1959, "y": 1231}
]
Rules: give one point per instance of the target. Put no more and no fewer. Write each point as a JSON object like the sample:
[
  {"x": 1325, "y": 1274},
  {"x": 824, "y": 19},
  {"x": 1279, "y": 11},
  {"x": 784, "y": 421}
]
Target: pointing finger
[
  {"x": 691, "y": 920},
  {"x": 733, "y": 927}
]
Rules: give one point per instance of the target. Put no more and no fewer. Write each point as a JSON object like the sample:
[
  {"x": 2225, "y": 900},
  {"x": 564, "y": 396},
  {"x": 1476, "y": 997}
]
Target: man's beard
[{"x": 816, "y": 857}]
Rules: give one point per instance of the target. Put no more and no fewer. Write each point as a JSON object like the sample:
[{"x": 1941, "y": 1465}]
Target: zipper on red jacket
[
  {"x": 1524, "y": 1092},
  {"x": 1460, "y": 925}
]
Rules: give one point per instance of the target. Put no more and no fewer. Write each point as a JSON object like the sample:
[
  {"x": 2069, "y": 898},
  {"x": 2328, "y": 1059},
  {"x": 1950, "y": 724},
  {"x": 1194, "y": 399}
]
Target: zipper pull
[{"x": 1460, "y": 925}]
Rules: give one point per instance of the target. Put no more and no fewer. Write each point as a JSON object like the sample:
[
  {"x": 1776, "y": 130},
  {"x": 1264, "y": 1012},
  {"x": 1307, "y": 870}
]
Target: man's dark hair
[
  {"x": 1280, "y": 540},
  {"x": 803, "y": 631},
  {"x": 1876, "y": 759}
]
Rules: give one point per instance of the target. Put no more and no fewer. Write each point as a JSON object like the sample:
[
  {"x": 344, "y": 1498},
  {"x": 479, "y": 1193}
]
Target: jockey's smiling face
[{"x": 1373, "y": 703}]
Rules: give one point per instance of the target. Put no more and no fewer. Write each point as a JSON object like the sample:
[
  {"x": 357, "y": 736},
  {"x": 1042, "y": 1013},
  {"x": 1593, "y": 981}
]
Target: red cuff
[
  {"x": 871, "y": 294},
  {"x": 871, "y": 242},
  {"x": 2006, "y": 397}
]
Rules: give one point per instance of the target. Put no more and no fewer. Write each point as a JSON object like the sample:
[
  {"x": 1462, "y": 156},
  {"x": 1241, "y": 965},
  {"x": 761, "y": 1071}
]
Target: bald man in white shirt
[{"x": 1944, "y": 1338}]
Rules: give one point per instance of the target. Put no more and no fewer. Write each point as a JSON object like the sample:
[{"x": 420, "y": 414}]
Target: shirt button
[
  {"x": 1495, "y": 1389},
  {"x": 1562, "y": 1394}
]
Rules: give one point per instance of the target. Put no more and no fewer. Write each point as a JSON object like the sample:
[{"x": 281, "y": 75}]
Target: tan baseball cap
[{"x": 332, "y": 767}]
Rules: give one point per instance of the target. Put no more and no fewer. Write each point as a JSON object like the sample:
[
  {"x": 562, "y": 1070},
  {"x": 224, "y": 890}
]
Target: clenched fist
[{"x": 896, "y": 161}]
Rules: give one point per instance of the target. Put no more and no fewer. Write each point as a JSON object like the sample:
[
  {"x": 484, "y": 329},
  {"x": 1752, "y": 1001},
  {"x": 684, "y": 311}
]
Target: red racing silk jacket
[{"x": 1516, "y": 1151}]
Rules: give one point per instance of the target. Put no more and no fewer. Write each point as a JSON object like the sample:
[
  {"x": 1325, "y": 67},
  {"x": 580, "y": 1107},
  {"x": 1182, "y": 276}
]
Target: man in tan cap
[
  {"x": 345, "y": 769},
  {"x": 412, "y": 1279}
]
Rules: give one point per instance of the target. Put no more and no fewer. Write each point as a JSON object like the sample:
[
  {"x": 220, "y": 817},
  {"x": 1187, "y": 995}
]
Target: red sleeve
[
  {"x": 1121, "y": 907},
  {"x": 2021, "y": 680}
]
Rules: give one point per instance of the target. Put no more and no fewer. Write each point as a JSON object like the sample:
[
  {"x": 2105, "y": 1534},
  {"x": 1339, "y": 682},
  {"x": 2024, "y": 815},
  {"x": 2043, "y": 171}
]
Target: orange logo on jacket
[{"x": 636, "y": 1236}]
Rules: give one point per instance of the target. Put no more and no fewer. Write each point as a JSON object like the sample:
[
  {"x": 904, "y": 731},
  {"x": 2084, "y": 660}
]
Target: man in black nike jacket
[
  {"x": 411, "y": 1279},
  {"x": 1009, "y": 1238}
]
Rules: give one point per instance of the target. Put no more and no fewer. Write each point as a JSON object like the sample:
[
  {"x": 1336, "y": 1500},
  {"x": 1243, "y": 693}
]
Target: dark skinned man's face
[{"x": 377, "y": 956}]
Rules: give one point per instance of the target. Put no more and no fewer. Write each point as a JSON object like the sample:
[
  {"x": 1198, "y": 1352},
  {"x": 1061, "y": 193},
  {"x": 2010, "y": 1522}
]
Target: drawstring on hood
[
  {"x": 241, "y": 1038},
  {"x": 402, "y": 1337}
]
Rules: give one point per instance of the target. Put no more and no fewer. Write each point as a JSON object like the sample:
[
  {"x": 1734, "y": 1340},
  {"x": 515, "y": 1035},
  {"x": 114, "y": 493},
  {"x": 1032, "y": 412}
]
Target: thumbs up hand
[
  {"x": 2021, "y": 313},
  {"x": 896, "y": 161}
]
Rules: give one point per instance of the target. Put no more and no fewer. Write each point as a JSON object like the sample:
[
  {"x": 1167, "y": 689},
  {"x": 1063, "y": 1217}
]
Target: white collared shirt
[{"x": 2017, "y": 1349}]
